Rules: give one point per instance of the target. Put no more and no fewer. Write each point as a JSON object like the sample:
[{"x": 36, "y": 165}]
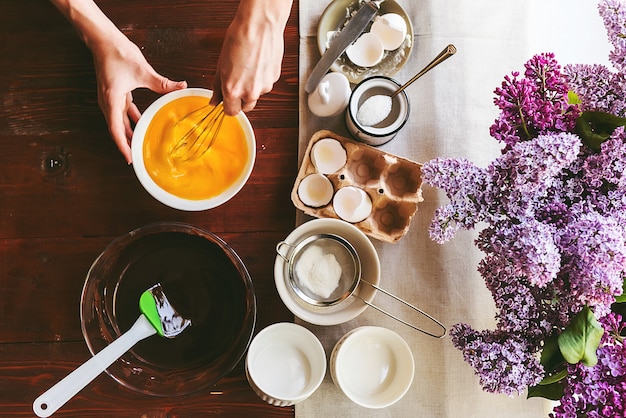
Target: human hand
[
  {"x": 120, "y": 69},
  {"x": 251, "y": 56}
]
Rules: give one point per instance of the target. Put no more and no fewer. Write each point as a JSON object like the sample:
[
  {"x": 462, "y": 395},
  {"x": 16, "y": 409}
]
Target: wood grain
[{"x": 66, "y": 192}]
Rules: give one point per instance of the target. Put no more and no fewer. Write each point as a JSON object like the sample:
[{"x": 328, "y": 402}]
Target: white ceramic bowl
[
  {"x": 166, "y": 197},
  {"x": 351, "y": 307},
  {"x": 373, "y": 366},
  {"x": 285, "y": 364}
]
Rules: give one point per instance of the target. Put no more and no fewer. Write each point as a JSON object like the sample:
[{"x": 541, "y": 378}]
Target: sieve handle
[
  {"x": 279, "y": 246},
  {"x": 415, "y": 308}
]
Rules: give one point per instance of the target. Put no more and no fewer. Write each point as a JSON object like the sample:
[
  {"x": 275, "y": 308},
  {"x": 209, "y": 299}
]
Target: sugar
[
  {"x": 374, "y": 110},
  {"x": 318, "y": 272}
]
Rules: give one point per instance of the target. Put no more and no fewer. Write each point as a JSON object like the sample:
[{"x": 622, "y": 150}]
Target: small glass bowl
[{"x": 203, "y": 278}]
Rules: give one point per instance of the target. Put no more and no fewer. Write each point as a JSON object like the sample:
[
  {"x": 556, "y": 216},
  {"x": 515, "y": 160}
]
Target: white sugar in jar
[{"x": 389, "y": 119}]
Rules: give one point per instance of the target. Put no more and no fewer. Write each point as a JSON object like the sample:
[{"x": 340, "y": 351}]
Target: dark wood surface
[{"x": 66, "y": 192}]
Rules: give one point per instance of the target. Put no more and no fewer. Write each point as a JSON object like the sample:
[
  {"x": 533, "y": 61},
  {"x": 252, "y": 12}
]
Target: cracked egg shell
[
  {"x": 328, "y": 155},
  {"x": 391, "y": 28},
  {"x": 366, "y": 51},
  {"x": 352, "y": 204},
  {"x": 315, "y": 190}
]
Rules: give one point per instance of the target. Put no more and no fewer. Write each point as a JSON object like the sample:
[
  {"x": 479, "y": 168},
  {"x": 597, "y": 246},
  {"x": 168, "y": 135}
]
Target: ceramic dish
[
  {"x": 285, "y": 364},
  {"x": 373, "y": 366},
  {"x": 335, "y": 17},
  {"x": 167, "y": 197},
  {"x": 201, "y": 276},
  {"x": 347, "y": 309}
]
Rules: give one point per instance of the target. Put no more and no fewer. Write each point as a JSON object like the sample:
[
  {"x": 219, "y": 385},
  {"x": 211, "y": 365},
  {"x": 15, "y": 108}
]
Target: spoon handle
[
  {"x": 55, "y": 397},
  {"x": 443, "y": 55}
]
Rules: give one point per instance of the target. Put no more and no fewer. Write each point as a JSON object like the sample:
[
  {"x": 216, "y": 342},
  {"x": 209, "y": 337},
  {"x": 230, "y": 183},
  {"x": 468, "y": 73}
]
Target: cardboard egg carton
[{"x": 393, "y": 184}]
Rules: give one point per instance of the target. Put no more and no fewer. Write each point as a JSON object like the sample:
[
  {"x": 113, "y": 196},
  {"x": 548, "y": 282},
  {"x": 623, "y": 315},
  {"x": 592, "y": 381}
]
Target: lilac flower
[
  {"x": 503, "y": 363},
  {"x": 555, "y": 227},
  {"x": 522, "y": 309},
  {"x": 533, "y": 104},
  {"x": 593, "y": 250},
  {"x": 613, "y": 14},
  {"x": 529, "y": 248},
  {"x": 464, "y": 184},
  {"x": 598, "y": 88},
  {"x": 522, "y": 176}
]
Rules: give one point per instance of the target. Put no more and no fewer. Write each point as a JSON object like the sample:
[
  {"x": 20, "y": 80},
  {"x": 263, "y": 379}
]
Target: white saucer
[{"x": 352, "y": 306}]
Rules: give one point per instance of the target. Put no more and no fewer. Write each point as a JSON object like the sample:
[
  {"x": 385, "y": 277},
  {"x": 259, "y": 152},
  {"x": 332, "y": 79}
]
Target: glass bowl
[{"x": 202, "y": 277}]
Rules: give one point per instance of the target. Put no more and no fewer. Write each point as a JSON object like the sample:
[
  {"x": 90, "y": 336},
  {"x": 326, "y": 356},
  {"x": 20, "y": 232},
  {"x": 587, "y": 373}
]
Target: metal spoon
[
  {"x": 383, "y": 101},
  {"x": 443, "y": 55}
]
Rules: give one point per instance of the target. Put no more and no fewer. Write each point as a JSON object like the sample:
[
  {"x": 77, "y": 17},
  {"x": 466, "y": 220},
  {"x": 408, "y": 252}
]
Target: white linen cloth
[{"x": 451, "y": 111}]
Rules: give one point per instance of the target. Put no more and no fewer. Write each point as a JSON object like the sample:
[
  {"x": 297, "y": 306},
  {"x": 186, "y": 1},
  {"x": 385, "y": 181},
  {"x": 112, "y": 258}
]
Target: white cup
[
  {"x": 285, "y": 364},
  {"x": 373, "y": 366}
]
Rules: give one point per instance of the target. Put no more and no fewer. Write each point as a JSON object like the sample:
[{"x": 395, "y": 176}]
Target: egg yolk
[{"x": 193, "y": 178}]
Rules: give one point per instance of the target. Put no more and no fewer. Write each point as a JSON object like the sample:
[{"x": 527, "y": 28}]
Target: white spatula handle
[{"x": 55, "y": 397}]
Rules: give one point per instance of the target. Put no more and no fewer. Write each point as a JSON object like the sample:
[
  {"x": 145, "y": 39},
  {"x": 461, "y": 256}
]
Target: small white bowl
[
  {"x": 373, "y": 366},
  {"x": 166, "y": 197},
  {"x": 352, "y": 306},
  {"x": 285, "y": 364}
]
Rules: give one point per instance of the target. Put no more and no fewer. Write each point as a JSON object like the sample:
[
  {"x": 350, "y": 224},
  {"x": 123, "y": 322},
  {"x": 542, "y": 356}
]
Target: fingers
[{"x": 162, "y": 85}]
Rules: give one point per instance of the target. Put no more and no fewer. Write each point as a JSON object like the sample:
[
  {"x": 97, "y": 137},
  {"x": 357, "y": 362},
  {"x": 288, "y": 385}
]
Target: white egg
[
  {"x": 366, "y": 51},
  {"x": 391, "y": 28},
  {"x": 328, "y": 155},
  {"x": 315, "y": 190},
  {"x": 352, "y": 204}
]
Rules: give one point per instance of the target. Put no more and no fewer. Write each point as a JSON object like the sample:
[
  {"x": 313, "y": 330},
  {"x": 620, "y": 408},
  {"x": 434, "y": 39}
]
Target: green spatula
[{"x": 157, "y": 317}]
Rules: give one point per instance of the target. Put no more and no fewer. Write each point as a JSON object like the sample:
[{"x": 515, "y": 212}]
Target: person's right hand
[{"x": 120, "y": 69}]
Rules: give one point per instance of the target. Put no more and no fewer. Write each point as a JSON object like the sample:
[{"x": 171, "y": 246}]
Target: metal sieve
[{"x": 315, "y": 278}]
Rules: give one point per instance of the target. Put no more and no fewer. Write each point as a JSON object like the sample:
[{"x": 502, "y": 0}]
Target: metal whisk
[{"x": 205, "y": 126}]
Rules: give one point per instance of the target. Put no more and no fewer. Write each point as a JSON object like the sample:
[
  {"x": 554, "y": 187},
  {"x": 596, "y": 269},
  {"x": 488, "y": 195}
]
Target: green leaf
[
  {"x": 572, "y": 98},
  {"x": 553, "y": 378},
  {"x": 622, "y": 297},
  {"x": 551, "y": 355},
  {"x": 580, "y": 339},
  {"x": 554, "y": 391}
]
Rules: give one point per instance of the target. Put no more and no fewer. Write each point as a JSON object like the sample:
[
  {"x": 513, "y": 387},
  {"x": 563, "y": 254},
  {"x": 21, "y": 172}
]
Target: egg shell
[
  {"x": 352, "y": 204},
  {"x": 328, "y": 155},
  {"x": 391, "y": 28},
  {"x": 366, "y": 51},
  {"x": 393, "y": 184},
  {"x": 315, "y": 190}
]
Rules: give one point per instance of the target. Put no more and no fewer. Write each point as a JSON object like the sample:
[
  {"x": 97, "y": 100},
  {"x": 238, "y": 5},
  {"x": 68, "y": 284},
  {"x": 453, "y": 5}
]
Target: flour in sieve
[{"x": 318, "y": 272}]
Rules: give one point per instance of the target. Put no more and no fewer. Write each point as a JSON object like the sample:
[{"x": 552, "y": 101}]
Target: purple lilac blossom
[
  {"x": 613, "y": 13},
  {"x": 597, "y": 87},
  {"x": 529, "y": 248},
  {"x": 555, "y": 235},
  {"x": 464, "y": 184},
  {"x": 533, "y": 104},
  {"x": 593, "y": 250},
  {"x": 522, "y": 309},
  {"x": 502, "y": 361}
]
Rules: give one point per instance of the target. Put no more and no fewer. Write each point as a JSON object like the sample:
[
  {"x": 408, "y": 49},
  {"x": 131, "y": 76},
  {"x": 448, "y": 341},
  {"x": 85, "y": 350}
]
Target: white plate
[{"x": 352, "y": 306}]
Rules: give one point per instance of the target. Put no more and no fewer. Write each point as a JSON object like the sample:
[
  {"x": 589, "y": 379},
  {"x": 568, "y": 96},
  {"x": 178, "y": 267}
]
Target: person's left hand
[
  {"x": 249, "y": 63},
  {"x": 120, "y": 69}
]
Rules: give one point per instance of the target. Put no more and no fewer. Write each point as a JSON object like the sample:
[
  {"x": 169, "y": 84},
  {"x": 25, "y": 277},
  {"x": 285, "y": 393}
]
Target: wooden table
[{"x": 66, "y": 192}]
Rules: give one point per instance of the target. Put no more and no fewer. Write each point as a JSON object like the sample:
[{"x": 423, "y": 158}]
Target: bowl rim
[
  {"x": 157, "y": 191},
  {"x": 307, "y": 339},
  {"x": 394, "y": 341},
  {"x": 95, "y": 344}
]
